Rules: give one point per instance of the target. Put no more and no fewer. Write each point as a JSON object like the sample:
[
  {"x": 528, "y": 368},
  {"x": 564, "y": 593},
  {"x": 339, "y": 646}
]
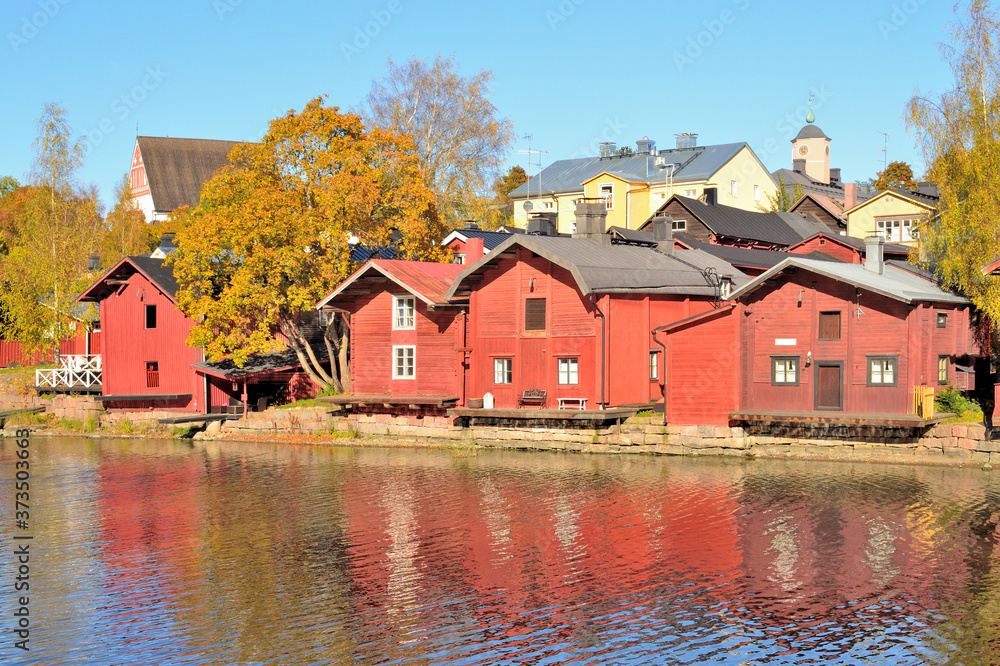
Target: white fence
[{"x": 74, "y": 370}]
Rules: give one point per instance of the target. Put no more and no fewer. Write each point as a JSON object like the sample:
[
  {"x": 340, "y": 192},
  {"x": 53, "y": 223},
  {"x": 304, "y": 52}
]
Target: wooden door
[
  {"x": 531, "y": 371},
  {"x": 829, "y": 385}
]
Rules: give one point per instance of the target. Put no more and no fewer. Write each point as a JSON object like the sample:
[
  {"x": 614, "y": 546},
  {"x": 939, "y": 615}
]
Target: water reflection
[{"x": 159, "y": 552}]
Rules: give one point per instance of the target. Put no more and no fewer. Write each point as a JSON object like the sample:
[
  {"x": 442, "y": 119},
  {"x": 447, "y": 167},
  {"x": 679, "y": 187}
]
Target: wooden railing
[
  {"x": 73, "y": 370},
  {"x": 152, "y": 379},
  {"x": 923, "y": 401}
]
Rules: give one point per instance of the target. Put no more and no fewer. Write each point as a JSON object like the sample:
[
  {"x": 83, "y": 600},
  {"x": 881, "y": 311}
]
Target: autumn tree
[
  {"x": 270, "y": 235},
  {"x": 57, "y": 226},
  {"x": 781, "y": 200},
  {"x": 896, "y": 176},
  {"x": 458, "y": 135},
  {"x": 127, "y": 232},
  {"x": 959, "y": 131}
]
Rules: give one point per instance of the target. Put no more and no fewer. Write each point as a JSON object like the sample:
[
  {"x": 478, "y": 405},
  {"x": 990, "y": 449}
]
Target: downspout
[{"x": 603, "y": 345}]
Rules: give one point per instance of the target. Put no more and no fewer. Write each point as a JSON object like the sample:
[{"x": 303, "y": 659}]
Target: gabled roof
[
  {"x": 852, "y": 242},
  {"x": 426, "y": 280},
  {"x": 993, "y": 267},
  {"x": 835, "y": 191},
  {"x": 692, "y": 164},
  {"x": 827, "y": 203},
  {"x": 177, "y": 168},
  {"x": 603, "y": 268},
  {"x": 259, "y": 363},
  {"x": 896, "y": 283},
  {"x": 490, "y": 238},
  {"x": 742, "y": 257},
  {"x": 730, "y": 222},
  {"x": 923, "y": 200},
  {"x": 154, "y": 270}
]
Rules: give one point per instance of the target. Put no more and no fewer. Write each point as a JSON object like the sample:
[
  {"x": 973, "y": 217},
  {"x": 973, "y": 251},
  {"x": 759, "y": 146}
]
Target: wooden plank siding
[
  {"x": 836, "y": 250},
  {"x": 13, "y": 353},
  {"x": 777, "y": 323},
  {"x": 129, "y": 345}
]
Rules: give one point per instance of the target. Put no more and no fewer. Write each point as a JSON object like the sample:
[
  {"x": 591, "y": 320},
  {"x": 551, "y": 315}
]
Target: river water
[{"x": 164, "y": 552}]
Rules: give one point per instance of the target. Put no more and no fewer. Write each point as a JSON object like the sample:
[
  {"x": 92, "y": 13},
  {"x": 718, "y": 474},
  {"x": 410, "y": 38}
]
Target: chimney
[
  {"x": 874, "y": 260},
  {"x": 686, "y": 141},
  {"x": 644, "y": 146},
  {"x": 93, "y": 263},
  {"x": 663, "y": 233},
  {"x": 607, "y": 149},
  {"x": 470, "y": 224},
  {"x": 930, "y": 189},
  {"x": 834, "y": 176},
  {"x": 799, "y": 166},
  {"x": 711, "y": 196},
  {"x": 591, "y": 220},
  {"x": 474, "y": 250},
  {"x": 542, "y": 224},
  {"x": 850, "y": 196}
]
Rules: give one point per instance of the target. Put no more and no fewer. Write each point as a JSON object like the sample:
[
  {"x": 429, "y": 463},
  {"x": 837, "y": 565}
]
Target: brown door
[{"x": 829, "y": 385}]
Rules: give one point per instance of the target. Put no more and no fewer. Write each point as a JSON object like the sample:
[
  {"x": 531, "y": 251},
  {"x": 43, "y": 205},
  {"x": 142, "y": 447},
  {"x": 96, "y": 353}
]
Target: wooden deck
[
  {"x": 389, "y": 401},
  {"x": 586, "y": 415},
  {"x": 840, "y": 418}
]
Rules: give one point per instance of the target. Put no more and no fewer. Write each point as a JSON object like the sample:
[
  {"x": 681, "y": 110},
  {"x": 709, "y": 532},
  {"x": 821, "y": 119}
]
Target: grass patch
[
  {"x": 184, "y": 432},
  {"x": 312, "y": 402},
  {"x": 644, "y": 413},
  {"x": 124, "y": 427},
  {"x": 968, "y": 416},
  {"x": 90, "y": 425},
  {"x": 29, "y": 369},
  {"x": 36, "y": 418},
  {"x": 72, "y": 425}
]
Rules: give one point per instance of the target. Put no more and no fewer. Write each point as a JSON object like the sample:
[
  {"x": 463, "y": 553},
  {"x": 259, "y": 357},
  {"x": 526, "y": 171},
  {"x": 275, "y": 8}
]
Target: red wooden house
[
  {"x": 825, "y": 338},
  {"x": 573, "y": 318},
  {"x": 405, "y": 333},
  {"x": 846, "y": 248}
]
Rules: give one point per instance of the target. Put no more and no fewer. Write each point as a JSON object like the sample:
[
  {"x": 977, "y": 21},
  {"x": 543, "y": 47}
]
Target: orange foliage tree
[{"x": 270, "y": 235}]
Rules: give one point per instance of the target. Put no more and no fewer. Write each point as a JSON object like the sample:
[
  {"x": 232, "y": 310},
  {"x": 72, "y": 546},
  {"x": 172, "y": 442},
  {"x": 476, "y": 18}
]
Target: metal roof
[
  {"x": 745, "y": 257},
  {"x": 154, "y": 269},
  {"x": 810, "y": 132},
  {"x": 856, "y": 243},
  {"x": 897, "y": 283},
  {"x": 426, "y": 280},
  {"x": 259, "y": 363},
  {"x": 605, "y": 268},
  {"x": 697, "y": 163},
  {"x": 793, "y": 178},
  {"x": 490, "y": 238}
]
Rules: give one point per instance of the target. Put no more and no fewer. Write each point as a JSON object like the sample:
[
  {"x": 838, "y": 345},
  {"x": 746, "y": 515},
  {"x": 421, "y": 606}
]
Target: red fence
[{"x": 12, "y": 352}]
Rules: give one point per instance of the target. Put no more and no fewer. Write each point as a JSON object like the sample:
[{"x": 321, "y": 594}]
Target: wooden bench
[
  {"x": 575, "y": 403},
  {"x": 532, "y": 397}
]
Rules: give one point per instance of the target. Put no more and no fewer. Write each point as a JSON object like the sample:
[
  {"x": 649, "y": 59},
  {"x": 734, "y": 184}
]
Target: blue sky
[{"x": 569, "y": 72}]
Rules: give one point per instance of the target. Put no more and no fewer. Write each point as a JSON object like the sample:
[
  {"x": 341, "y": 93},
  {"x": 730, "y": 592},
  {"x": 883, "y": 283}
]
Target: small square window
[
  {"x": 458, "y": 259},
  {"x": 679, "y": 225},
  {"x": 404, "y": 312},
  {"x": 534, "y": 314},
  {"x": 942, "y": 320},
  {"x": 829, "y": 325},
  {"x": 606, "y": 192},
  {"x": 404, "y": 362},
  {"x": 569, "y": 371},
  {"x": 942, "y": 369},
  {"x": 503, "y": 371},
  {"x": 150, "y": 316},
  {"x": 654, "y": 365},
  {"x": 883, "y": 371},
  {"x": 784, "y": 370}
]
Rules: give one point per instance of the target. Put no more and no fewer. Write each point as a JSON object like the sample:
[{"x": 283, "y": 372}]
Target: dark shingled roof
[
  {"x": 160, "y": 274},
  {"x": 490, "y": 238},
  {"x": 810, "y": 132},
  {"x": 258, "y": 363},
  {"x": 177, "y": 168}
]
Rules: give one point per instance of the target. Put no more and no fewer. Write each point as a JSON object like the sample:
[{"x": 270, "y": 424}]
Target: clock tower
[{"x": 812, "y": 147}]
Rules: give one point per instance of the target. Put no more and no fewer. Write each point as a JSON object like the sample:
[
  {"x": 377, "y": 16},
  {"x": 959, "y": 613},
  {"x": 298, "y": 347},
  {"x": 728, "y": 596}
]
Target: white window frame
[
  {"x": 503, "y": 371},
  {"x": 606, "y": 192},
  {"x": 408, "y": 355},
  {"x": 547, "y": 204},
  {"x": 734, "y": 189},
  {"x": 568, "y": 370},
  {"x": 404, "y": 320},
  {"x": 458, "y": 258},
  {"x": 691, "y": 194},
  {"x": 679, "y": 225},
  {"x": 654, "y": 365},
  {"x": 756, "y": 192}
]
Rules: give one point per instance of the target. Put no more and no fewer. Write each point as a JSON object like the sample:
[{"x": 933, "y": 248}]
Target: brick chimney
[
  {"x": 474, "y": 250},
  {"x": 850, "y": 196}
]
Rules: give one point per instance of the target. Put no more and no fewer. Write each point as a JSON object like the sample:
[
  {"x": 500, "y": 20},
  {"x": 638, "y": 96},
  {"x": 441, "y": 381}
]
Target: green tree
[
  {"x": 127, "y": 232},
  {"x": 270, "y": 235},
  {"x": 959, "y": 132},
  {"x": 56, "y": 227},
  {"x": 458, "y": 135},
  {"x": 781, "y": 200},
  {"x": 897, "y": 175}
]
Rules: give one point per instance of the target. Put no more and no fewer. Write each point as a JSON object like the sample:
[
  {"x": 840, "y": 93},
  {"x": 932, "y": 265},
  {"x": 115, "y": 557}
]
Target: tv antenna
[
  {"x": 885, "y": 150},
  {"x": 529, "y": 152}
]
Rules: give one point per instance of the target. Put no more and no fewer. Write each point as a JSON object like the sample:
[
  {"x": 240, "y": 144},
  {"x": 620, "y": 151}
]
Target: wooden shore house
[{"x": 822, "y": 338}]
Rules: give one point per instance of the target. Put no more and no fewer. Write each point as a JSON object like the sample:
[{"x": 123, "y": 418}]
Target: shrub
[{"x": 950, "y": 400}]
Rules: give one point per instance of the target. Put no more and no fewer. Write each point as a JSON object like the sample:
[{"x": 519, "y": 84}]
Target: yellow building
[
  {"x": 893, "y": 214},
  {"x": 634, "y": 185}
]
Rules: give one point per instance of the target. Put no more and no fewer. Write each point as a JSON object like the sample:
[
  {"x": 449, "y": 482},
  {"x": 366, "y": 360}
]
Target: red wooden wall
[
  {"x": 845, "y": 253},
  {"x": 886, "y": 327},
  {"x": 12, "y": 352},
  {"x": 128, "y": 345}
]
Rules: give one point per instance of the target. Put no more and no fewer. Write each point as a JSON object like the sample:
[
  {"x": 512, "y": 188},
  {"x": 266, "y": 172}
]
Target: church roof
[
  {"x": 177, "y": 168},
  {"x": 811, "y": 132}
]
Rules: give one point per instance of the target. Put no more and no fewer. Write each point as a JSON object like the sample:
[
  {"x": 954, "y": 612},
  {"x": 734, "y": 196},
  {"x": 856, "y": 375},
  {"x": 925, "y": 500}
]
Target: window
[
  {"x": 829, "y": 325},
  {"x": 605, "y": 191},
  {"x": 534, "y": 314},
  {"x": 756, "y": 192},
  {"x": 404, "y": 362},
  {"x": 679, "y": 225},
  {"x": 732, "y": 189},
  {"x": 899, "y": 231},
  {"x": 458, "y": 259},
  {"x": 726, "y": 288},
  {"x": 150, "y": 316},
  {"x": 942, "y": 369},
  {"x": 152, "y": 374},
  {"x": 882, "y": 371},
  {"x": 691, "y": 194},
  {"x": 97, "y": 326},
  {"x": 569, "y": 371},
  {"x": 942, "y": 320},
  {"x": 572, "y": 227},
  {"x": 654, "y": 365},
  {"x": 404, "y": 311},
  {"x": 784, "y": 370},
  {"x": 503, "y": 371},
  {"x": 547, "y": 205}
]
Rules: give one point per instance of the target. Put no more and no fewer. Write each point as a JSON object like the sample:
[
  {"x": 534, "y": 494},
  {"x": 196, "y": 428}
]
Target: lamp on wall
[
  {"x": 809, "y": 358},
  {"x": 801, "y": 291},
  {"x": 858, "y": 312}
]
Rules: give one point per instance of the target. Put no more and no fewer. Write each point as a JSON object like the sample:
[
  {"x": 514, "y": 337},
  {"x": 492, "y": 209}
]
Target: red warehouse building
[
  {"x": 405, "y": 333},
  {"x": 826, "y": 338},
  {"x": 557, "y": 322}
]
